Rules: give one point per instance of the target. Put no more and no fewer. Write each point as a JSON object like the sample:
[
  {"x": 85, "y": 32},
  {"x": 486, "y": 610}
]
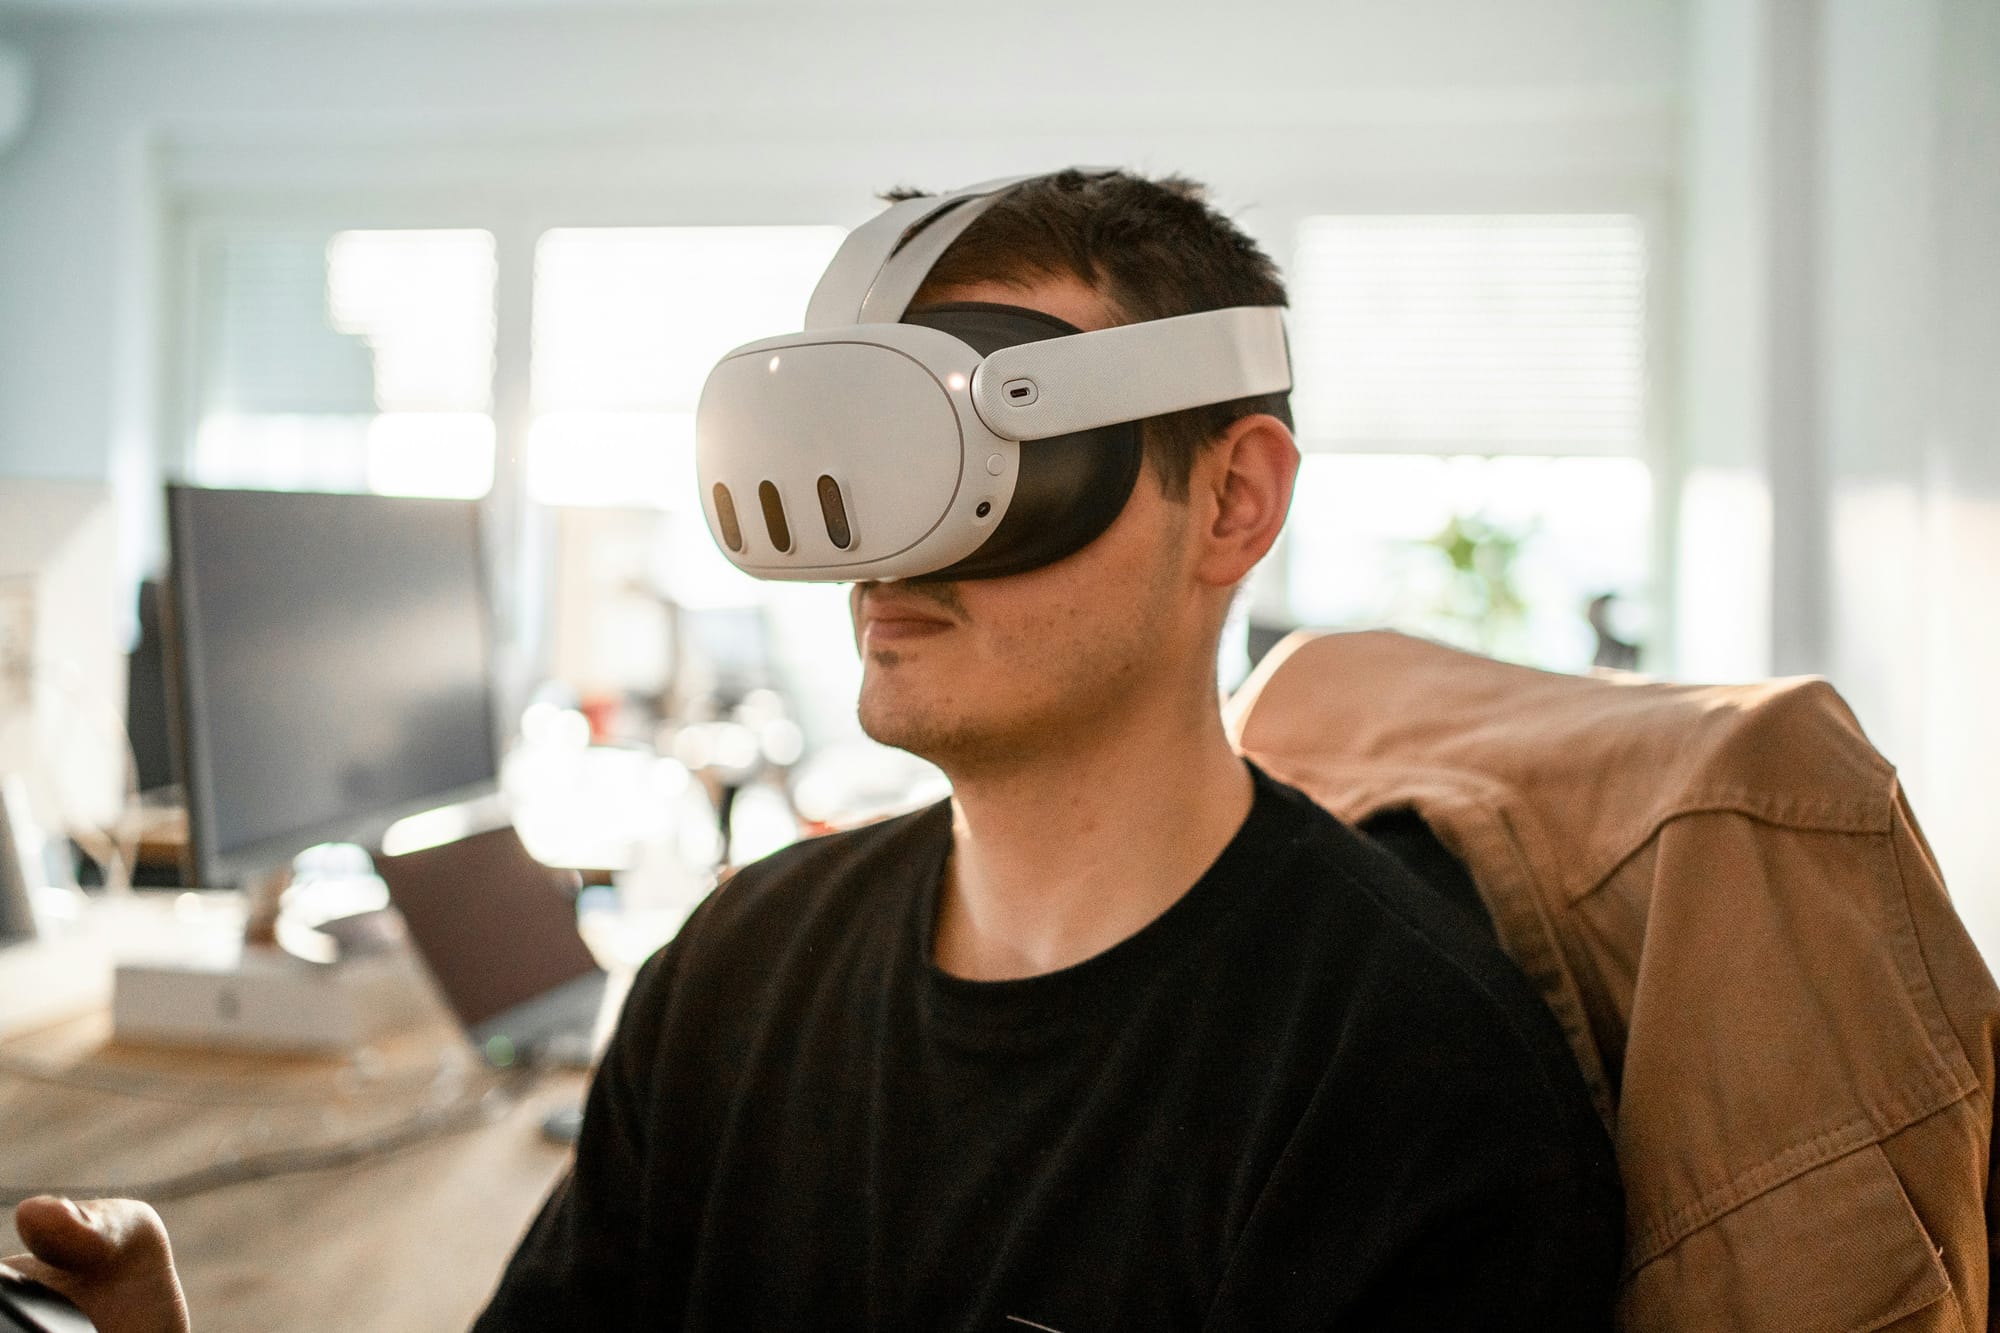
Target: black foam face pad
[{"x": 1068, "y": 488}]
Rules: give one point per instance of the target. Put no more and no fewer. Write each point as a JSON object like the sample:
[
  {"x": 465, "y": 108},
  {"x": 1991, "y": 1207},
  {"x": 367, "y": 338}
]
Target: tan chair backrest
[{"x": 1723, "y": 897}]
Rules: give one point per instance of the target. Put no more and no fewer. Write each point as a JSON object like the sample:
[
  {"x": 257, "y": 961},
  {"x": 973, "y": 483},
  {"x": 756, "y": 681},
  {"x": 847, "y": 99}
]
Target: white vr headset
[{"x": 966, "y": 441}]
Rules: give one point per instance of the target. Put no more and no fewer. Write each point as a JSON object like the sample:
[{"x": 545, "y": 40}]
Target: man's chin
[
  {"x": 906, "y": 724},
  {"x": 891, "y": 724}
]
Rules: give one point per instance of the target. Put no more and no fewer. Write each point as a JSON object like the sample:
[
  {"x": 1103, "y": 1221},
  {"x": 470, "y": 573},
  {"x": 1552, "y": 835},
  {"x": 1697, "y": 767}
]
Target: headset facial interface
[{"x": 958, "y": 441}]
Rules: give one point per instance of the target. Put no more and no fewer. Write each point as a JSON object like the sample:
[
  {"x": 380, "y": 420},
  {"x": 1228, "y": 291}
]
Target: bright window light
[
  {"x": 347, "y": 361},
  {"x": 282, "y": 451},
  {"x": 626, "y": 458},
  {"x": 1470, "y": 333},
  {"x": 423, "y": 302},
  {"x": 631, "y": 319},
  {"x": 628, "y": 323},
  {"x": 444, "y": 454},
  {"x": 1367, "y": 547}
]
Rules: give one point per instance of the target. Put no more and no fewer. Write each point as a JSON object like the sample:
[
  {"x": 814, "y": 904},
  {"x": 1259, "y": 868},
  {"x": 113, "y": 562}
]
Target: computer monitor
[{"x": 330, "y": 657}]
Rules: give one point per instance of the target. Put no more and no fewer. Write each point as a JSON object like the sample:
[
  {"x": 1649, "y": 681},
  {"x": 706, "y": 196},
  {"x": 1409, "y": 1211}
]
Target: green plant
[{"x": 1479, "y": 594}]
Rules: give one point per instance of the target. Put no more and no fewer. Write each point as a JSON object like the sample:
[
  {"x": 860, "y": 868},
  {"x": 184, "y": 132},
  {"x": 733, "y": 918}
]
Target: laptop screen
[{"x": 496, "y": 927}]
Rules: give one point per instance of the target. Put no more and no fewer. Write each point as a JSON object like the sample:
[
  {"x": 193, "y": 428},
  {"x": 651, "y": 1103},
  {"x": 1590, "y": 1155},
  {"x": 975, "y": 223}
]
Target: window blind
[
  {"x": 269, "y": 346},
  {"x": 347, "y": 360},
  {"x": 1479, "y": 334}
]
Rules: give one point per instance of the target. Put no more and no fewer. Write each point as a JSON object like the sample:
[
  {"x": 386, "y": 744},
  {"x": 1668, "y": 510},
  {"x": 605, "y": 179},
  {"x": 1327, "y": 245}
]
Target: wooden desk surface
[{"x": 404, "y": 1243}]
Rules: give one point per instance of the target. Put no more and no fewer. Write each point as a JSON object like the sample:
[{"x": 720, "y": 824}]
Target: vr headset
[{"x": 955, "y": 441}]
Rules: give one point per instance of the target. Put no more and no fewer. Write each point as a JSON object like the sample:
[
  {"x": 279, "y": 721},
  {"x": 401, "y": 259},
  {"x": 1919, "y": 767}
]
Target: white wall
[
  {"x": 1910, "y": 333},
  {"x": 1723, "y": 610},
  {"x": 150, "y": 128},
  {"x": 735, "y": 112},
  {"x": 1842, "y": 386}
]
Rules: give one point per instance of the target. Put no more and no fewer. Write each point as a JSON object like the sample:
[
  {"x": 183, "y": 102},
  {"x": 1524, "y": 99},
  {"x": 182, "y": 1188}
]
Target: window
[
  {"x": 353, "y": 360},
  {"x": 1471, "y": 399},
  {"x": 1499, "y": 554},
  {"x": 329, "y": 359},
  {"x": 628, "y": 322}
]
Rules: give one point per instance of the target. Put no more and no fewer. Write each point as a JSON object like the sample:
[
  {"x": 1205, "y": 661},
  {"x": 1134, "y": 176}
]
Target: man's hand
[{"x": 109, "y": 1256}]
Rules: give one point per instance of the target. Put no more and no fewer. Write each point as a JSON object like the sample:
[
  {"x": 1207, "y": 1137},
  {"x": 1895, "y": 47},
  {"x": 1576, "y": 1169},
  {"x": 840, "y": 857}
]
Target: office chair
[{"x": 1724, "y": 898}]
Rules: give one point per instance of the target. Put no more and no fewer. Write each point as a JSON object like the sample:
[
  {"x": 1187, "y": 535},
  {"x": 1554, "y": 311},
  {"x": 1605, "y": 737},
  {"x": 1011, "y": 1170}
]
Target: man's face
[{"x": 984, "y": 670}]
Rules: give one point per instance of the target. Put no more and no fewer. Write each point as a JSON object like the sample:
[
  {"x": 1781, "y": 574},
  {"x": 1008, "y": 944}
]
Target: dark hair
[{"x": 1149, "y": 248}]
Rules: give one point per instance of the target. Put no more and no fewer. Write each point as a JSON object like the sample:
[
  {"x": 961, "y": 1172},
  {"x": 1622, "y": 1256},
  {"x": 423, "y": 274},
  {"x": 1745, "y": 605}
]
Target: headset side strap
[{"x": 1132, "y": 372}]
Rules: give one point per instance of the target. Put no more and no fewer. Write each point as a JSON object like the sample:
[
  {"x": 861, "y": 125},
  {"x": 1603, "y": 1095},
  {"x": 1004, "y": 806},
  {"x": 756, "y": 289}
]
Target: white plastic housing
[
  {"x": 1132, "y": 371},
  {"x": 885, "y": 410},
  {"x": 880, "y": 265}
]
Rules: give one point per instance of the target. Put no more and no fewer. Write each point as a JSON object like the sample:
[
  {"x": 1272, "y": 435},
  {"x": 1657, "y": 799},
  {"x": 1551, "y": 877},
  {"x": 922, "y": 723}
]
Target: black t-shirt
[{"x": 1308, "y": 1095}]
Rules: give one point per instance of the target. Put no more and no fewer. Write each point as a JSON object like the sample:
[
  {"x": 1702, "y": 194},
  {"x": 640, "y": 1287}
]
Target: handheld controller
[{"x": 27, "y": 1306}]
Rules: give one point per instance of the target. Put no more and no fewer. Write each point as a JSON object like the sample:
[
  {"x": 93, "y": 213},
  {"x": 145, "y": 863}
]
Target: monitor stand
[{"x": 267, "y": 895}]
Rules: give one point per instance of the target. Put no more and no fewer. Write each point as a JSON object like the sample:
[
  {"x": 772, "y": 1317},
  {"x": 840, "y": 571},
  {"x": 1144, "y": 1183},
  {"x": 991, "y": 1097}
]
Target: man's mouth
[{"x": 911, "y": 611}]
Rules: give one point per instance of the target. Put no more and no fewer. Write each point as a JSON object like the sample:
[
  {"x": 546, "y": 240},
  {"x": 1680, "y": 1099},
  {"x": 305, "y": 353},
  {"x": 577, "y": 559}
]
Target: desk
[{"x": 406, "y": 1243}]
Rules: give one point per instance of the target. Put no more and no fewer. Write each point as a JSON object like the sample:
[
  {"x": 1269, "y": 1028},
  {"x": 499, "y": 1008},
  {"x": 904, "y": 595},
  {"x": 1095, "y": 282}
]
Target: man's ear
[{"x": 1241, "y": 488}]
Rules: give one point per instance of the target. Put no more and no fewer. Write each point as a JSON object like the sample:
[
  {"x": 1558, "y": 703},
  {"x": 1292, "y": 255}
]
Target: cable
[{"x": 424, "y": 1126}]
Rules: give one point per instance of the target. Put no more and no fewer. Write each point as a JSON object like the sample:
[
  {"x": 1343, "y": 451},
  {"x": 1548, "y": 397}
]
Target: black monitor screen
[{"x": 331, "y": 655}]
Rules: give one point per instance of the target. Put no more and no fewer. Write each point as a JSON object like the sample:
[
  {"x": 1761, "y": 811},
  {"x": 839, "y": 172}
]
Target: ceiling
[{"x": 135, "y": 7}]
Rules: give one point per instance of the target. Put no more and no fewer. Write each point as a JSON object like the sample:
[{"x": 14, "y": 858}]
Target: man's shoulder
[
  {"x": 1330, "y": 868},
  {"x": 1413, "y": 962}
]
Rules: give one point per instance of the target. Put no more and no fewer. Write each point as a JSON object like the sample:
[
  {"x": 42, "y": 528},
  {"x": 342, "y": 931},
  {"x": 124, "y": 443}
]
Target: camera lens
[
  {"x": 774, "y": 517},
  {"x": 834, "y": 510},
  {"x": 725, "y": 518}
]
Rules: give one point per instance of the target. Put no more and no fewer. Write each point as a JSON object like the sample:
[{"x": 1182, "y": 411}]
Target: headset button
[{"x": 995, "y": 465}]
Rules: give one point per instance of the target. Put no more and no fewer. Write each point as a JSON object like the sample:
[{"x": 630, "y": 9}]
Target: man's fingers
[
  {"x": 92, "y": 1238},
  {"x": 109, "y": 1256},
  {"x": 57, "y": 1231}
]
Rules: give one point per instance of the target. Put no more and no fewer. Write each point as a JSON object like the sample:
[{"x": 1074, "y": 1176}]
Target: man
[{"x": 1125, "y": 1034}]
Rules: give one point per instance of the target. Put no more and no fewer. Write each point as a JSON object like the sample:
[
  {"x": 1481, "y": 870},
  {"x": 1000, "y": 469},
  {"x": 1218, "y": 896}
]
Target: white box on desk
[{"x": 265, "y": 999}]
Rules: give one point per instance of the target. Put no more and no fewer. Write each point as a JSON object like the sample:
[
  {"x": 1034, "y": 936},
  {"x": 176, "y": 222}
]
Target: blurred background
[
  {"x": 1663, "y": 333},
  {"x": 349, "y": 351}
]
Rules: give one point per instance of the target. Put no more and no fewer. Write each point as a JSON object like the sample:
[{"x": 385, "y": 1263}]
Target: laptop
[{"x": 497, "y": 931}]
